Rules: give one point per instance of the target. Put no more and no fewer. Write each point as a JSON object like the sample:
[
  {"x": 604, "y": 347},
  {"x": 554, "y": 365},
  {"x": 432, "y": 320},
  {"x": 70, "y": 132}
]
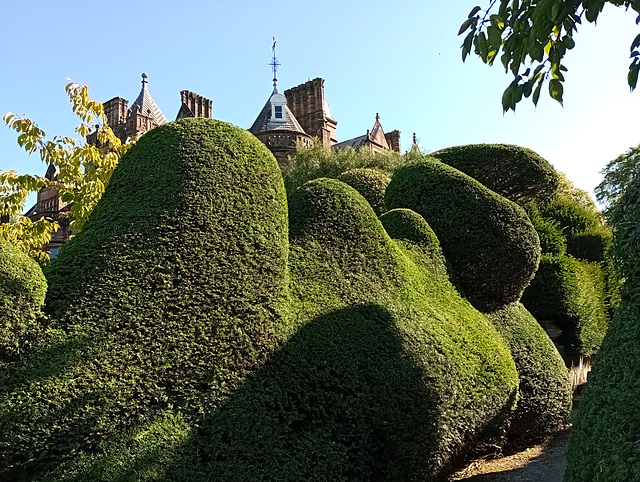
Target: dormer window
[{"x": 278, "y": 111}]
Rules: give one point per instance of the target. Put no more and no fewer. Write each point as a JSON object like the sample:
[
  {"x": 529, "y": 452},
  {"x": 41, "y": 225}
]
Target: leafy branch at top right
[{"x": 531, "y": 39}]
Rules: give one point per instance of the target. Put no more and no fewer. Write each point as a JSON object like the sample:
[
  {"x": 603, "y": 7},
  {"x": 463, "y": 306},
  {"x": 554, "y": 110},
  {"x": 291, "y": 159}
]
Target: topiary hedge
[
  {"x": 166, "y": 300},
  {"x": 489, "y": 240},
  {"x": 604, "y": 440},
  {"x": 22, "y": 291},
  {"x": 177, "y": 352},
  {"x": 545, "y": 400},
  {"x": 517, "y": 173},
  {"x": 342, "y": 256},
  {"x": 371, "y": 183},
  {"x": 571, "y": 293}
]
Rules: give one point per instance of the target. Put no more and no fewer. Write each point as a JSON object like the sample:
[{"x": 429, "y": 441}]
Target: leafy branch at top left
[{"x": 82, "y": 170}]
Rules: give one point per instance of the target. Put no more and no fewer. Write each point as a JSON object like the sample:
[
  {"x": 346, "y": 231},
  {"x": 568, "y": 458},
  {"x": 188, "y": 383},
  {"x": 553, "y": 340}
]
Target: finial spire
[
  {"x": 377, "y": 117},
  {"x": 144, "y": 78},
  {"x": 274, "y": 65},
  {"x": 415, "y": 139}
]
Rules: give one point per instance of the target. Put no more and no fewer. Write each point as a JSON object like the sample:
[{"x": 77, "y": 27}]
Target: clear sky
[{"x": 401, "y": 59}]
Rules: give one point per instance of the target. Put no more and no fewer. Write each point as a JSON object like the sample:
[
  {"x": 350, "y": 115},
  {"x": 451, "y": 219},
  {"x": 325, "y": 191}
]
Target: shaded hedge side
[
  {"x": 545, "y": 398},
  {"x": 22, "y": 292},
  {"x": 604, "y": 442},
  {"x": 371, "y": 183},
  {"x": 517, "y": 173},
  {"x": 489, "y": 240},
  {"x": 165, "y": 301},
  {"x": 571, "y": 293}
]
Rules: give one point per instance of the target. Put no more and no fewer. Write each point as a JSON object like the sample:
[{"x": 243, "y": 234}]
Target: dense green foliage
[
  {"x": 545, "y": 392},
  {"x": 164, "y": 302},
  {"x": 371, "y": 183},
  {"x": 571, "y": 293},
  {"x": 552, "y": 240},
  {"x": 405, "y": 224},
  {"x": 582, "y": 224},
  {"x": 604, "y": 442},
  {"x": 191, "y": 340},
  {"x": 342, "y": 256},
  {"x": 22, "y": 292},
  {"x": 321, "y": 161},
  {"x": 517, "y": 173},
  {"x": 489, "y": 240},
  {"x": 535, "y": 36}
]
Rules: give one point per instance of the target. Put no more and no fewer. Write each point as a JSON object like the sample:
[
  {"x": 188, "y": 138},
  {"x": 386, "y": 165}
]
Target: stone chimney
[
  {"x": 194, "y": 105},
  {"x": 116, "y": 111},
  {"x": 308, "y": 105},
  {"x": 393, "y": 139}
]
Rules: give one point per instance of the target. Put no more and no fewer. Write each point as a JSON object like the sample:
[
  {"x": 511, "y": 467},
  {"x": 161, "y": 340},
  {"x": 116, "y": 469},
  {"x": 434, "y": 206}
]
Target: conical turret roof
[
  {"x": 264, "y": 121},
  {"x": 146, "y": 105}
]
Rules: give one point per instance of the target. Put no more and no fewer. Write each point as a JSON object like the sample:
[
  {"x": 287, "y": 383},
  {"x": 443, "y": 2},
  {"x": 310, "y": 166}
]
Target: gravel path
[{"x": 542, "y": 463}]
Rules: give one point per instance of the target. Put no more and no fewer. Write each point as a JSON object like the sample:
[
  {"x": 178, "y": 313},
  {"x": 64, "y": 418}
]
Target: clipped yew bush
[
  {"x": 517, "y": 173},
  {"x": 389, "y": 375},
  {"x": 22, "y": 291},
  {"x": 166, "y": 300},
  {"x": 341, "y": 255},
  {"x": 490, "y": 241},
  {"x": 604, "y": 441},
  {"x": 545, "y": 400},
  {"x": 371, "y": 183},
  {"x": 571, "y": 293}
]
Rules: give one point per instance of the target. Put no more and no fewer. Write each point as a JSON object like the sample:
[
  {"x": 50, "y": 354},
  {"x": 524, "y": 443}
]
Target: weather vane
[{"x": 274, "y": 65}]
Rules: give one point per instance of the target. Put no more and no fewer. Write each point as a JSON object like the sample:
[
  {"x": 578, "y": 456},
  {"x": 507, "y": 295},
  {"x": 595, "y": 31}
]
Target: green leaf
[
  {"x": 568, "y": 41},
  {"x": 473, "y": 11},
  {"x": 635, "y": 43},
  {"x": 482, "y": 46},
  {"x": 556, "y": 90},
  {"x": 465, "y": 25},
  {"x": 536, "y": 93},
  {"x": 536, "y": 52},
  {"x": 495, "y": 38},
  {"x": 632, "y": 77},
  {"x": 466, "y": 45}
]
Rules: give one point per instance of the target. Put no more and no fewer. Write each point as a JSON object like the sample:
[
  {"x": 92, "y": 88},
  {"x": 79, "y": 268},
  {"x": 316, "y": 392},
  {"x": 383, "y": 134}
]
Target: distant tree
[
  {"x": 620, "y": 193},
  {"x": 540, "y": 31},
  {"x": 83, "y": 170}
]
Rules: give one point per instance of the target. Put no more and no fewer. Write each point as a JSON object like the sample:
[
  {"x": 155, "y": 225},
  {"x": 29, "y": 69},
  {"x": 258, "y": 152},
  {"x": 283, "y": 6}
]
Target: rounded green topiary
[
  {"x": 517, "y": 173},
  {"x": 341, "y": 256},
  {"x": 545, "y": 398},
  {"x": 571, "y": 293},
  {"x": 166, "y": 300},
  {"x": 489, "y": 240},
  {"x": 604, "y": 441},
  {"x": 371, "y": 183},
  {"x": 22, "y": 291}
]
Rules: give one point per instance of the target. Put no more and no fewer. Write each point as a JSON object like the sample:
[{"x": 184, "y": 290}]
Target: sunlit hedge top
[
  {"x": 491, "y": 244},
  {"x": 517, "y": 173},
  {"x": 371, "y": 183}
]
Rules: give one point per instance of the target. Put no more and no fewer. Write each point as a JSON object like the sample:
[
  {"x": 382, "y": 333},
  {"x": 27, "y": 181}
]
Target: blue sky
[{"x": 401, "y": 59}]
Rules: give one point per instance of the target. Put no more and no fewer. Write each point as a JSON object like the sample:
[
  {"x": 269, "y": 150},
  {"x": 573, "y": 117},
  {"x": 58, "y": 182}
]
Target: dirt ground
[{"x": 541, "y": 463}]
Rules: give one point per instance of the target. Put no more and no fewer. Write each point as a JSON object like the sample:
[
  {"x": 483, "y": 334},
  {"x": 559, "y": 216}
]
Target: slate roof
[
  {"x": 263, "y": 121},
  {"x": 376, "y": 136},
  {"x": 356, "y": 142},
  {"x": 145, "y": 104}
]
